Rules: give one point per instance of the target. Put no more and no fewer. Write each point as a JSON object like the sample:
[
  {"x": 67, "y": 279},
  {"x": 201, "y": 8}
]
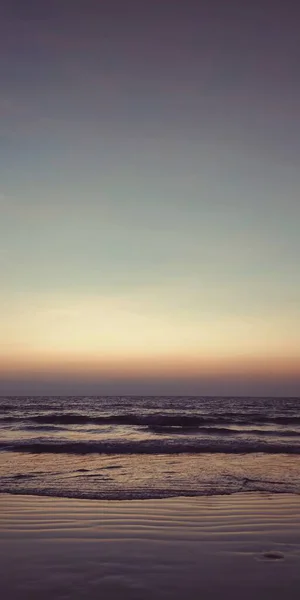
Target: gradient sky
[{"x": 149, "y": 197}]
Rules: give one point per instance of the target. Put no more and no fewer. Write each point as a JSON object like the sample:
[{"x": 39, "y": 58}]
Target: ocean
[{"x": 148, "y": 447}]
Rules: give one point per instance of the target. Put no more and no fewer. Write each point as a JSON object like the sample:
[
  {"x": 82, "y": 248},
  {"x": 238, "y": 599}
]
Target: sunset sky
[{"x": 149, "y": 197}]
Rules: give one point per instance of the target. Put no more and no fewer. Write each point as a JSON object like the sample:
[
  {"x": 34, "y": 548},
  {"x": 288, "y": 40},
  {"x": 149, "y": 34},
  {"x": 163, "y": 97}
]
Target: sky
[{"x": 149, "y": 197}]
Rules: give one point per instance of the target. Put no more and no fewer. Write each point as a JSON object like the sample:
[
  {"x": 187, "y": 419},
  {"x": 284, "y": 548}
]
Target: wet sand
[{"x": 239, "y": 546}]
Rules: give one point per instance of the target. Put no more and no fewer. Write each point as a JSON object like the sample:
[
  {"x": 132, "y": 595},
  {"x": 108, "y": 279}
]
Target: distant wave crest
[
  {"x": 149, "y": 447},
  {"x": 155, "y": 419}
]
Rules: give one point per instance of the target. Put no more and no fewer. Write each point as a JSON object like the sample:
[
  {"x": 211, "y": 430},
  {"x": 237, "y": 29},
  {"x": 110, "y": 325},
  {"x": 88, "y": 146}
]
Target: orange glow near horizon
[
  {"x": 140, "y": 337},
  {"x": 137, "y": 367}
]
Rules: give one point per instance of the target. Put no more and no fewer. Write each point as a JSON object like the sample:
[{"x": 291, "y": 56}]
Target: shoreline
[
  {"x": 143, "y": 498},
  {"x": 246, "y": 543}
]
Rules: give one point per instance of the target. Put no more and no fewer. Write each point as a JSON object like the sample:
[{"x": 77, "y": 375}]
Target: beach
[
  {"x": 241, "y": 545},
  {"x": 150, "y": 300},
  {"x": 141, "y": 498}
]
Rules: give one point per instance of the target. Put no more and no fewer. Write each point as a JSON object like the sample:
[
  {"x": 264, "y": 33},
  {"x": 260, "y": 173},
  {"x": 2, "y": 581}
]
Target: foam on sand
[{"x": 213, "y": 547}]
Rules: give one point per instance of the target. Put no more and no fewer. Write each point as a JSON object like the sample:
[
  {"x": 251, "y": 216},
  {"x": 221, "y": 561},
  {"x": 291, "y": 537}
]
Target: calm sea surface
[{"x": 148, "y": 447}]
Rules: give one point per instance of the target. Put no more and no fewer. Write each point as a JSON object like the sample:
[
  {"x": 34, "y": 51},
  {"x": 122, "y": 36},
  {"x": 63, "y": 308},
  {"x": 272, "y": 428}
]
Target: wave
[
  {"x": 154, "y": 419},
  {"x": 224, "y": 431},
  {"x": 150, "y": 447}
]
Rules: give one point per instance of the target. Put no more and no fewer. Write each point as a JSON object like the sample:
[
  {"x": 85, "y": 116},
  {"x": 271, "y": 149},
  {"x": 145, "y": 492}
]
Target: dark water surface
[{"x": 143, "y": 447}]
